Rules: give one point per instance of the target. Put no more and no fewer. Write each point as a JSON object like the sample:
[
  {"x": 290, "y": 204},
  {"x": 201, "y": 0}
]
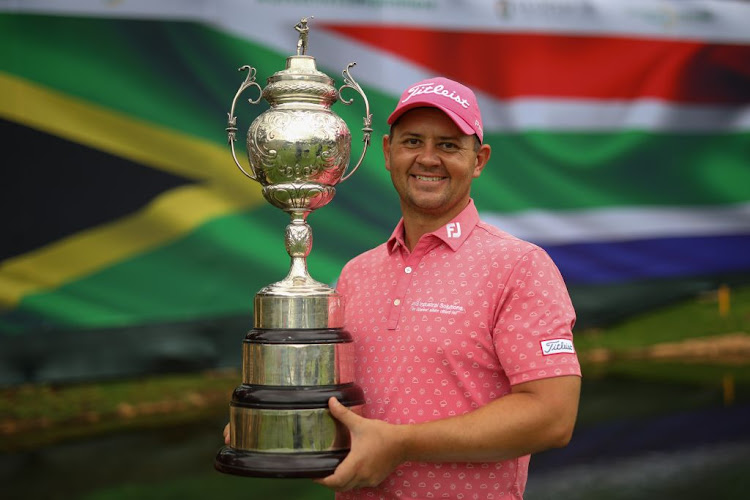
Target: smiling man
[{"x": 463, "y": 333}]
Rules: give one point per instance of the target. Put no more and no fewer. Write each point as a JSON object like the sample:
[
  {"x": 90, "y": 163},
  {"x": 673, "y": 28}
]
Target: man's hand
[
  {"x": 226, "y": 434},
  {"x": 376, "y": 449}
]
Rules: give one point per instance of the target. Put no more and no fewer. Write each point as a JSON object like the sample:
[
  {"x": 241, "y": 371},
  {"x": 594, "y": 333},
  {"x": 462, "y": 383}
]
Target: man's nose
[{"x": 428, "y": 155}]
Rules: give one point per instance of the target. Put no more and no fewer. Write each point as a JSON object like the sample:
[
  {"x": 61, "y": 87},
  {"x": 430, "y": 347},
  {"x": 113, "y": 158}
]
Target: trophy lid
[
  {"x": 300, "y": 68},
  {"x": 300, "y": 82}
]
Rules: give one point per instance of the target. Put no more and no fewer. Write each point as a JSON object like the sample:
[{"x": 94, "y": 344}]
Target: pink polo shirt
[{"x": 448, "y": 328}]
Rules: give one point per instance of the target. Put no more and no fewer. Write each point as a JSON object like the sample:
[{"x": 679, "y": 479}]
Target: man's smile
[{"x": 430, "y": 178}]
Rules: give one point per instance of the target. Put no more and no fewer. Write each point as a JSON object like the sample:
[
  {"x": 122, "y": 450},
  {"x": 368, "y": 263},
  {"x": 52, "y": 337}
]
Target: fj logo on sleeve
[{"x": 454, "y": 230}]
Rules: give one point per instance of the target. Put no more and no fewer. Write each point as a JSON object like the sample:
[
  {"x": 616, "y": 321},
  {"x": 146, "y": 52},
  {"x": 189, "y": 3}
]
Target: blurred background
[{"x": 132, "y": 245}]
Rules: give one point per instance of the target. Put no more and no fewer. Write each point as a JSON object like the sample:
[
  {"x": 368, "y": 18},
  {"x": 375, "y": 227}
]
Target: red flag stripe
[{"x": 510, "y": 65}]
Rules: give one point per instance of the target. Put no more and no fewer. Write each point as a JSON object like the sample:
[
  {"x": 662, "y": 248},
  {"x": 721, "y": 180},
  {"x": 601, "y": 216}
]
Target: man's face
[{"x": 432, "y": 163}]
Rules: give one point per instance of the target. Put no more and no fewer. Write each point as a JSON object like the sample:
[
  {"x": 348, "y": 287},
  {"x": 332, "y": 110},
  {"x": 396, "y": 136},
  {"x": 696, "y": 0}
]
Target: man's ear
[
  {"x": 483, "y": 157},
  {"x": 386, "y": 151}
]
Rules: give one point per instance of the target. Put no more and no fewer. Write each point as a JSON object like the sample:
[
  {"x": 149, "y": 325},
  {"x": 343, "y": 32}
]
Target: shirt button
[
  {"x": 407, "y": 270},
  {"x": 396, "y": 302}
]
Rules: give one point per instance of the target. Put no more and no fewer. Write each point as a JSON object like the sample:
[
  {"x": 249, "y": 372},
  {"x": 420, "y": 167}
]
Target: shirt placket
[{"x": 411, "y": 261}]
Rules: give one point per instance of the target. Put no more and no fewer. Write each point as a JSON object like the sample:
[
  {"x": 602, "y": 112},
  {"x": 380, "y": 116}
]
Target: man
[{"x": 462, "y": 332}]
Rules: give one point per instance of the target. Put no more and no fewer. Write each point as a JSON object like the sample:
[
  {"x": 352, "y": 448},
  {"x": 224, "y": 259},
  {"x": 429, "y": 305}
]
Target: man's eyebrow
[{"x": 411, "y": 134}]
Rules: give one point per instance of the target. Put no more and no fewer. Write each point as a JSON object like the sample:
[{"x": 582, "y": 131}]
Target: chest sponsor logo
[
  {"x": 556, "y": 346},
  {"x": 437, "y": 307}
]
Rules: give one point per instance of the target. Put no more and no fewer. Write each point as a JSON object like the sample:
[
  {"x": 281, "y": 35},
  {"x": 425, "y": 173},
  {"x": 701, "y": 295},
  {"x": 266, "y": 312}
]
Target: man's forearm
[{"x": 536, "y": 416}]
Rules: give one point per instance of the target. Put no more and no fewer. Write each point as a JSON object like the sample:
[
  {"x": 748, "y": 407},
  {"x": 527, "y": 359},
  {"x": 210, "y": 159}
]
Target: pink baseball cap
[{"x": 454, "y": 99}]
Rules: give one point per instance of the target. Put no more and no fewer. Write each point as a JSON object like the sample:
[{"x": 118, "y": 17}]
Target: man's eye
[{"x": 450, "y": 146}]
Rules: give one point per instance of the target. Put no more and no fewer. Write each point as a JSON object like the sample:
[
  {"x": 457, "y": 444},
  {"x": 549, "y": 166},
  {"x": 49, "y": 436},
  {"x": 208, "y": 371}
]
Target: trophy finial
[{"x": 303, "y": 30}]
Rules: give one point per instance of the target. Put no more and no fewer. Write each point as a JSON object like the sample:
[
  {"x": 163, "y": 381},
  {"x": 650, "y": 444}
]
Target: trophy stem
[
  {"x": 298, "y": 245},
  {"x": 298, "y": 273}
]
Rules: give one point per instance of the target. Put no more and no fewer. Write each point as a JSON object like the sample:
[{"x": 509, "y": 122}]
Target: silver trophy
[{"x": 297, "y": 355}]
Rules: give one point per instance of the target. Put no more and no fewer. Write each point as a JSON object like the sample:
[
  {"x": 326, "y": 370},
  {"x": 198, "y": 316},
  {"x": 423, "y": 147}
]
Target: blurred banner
[{"x": 131, "y": 243}]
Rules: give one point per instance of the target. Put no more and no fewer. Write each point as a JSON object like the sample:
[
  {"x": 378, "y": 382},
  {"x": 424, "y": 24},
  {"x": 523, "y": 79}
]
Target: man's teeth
[{"x": 424, "y": 178}]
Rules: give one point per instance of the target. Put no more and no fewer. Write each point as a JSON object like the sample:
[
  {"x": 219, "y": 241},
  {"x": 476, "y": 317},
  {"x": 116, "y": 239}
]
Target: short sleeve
[{"x": 533, "y": 328}]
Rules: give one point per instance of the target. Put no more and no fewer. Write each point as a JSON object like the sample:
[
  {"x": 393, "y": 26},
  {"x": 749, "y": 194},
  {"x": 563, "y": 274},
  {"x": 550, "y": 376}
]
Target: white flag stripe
[
  {"x": 623, "y": 224},
  {"x": 609, "y": 115}
]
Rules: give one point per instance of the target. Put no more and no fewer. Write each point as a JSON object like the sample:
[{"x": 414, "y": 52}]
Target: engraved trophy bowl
[
  {"x": 299, "y": 148},
  {"x": 297, "y": 355}
]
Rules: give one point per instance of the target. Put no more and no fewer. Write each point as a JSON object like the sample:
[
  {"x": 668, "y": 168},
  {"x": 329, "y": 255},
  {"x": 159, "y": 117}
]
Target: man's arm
[{"x": 536, "y": 416}]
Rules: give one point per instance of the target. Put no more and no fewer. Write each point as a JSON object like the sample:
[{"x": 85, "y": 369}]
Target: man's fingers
[
  {"x": 226, "y": 434},
  {"x": 342, "y": 479},
  {"x": 342, "y": 413}
]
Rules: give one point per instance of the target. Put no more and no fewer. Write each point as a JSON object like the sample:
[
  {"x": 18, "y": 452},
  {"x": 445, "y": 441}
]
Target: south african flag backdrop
[{"x": 131, "y": 243}]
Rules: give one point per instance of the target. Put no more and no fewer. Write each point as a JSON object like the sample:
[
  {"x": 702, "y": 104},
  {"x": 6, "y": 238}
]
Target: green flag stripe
[{"x": 544, "y": 170}]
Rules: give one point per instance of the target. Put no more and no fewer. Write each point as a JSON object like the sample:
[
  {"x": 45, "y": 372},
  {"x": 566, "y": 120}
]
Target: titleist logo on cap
[{"x": 429, "y": 88}]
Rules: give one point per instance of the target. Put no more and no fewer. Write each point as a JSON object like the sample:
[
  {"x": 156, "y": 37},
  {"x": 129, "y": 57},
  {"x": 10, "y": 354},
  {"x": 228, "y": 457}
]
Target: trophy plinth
[{"x": 298, "y": 355}]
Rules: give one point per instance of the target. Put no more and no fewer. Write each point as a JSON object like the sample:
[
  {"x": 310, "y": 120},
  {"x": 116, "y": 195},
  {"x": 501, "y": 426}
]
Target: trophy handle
[
  {"x": 232, "y": 121},
  {"x": 350, "y": 83}
]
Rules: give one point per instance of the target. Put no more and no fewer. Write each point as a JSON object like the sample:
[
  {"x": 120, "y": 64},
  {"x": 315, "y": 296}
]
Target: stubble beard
[{"x": 425, "y": 203}]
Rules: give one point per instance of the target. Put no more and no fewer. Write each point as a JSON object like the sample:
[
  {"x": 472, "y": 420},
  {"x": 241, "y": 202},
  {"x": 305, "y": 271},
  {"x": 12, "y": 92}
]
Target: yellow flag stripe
[{"x": 172, "y": 214}]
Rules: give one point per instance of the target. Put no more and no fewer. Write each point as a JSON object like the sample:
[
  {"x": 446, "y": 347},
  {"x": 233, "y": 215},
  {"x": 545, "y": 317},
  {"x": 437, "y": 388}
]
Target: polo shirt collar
[{"x": 453, "y": 234}]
